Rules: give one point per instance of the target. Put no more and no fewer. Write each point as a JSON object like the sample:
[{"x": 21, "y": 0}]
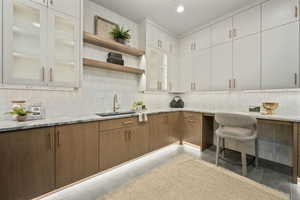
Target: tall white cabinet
[
  {"x": 42, "y": 46},
  {"x": 280, "y": 63}
]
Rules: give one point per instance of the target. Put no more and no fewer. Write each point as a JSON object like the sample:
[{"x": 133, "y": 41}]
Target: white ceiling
[{"x": 163, "y": 12}]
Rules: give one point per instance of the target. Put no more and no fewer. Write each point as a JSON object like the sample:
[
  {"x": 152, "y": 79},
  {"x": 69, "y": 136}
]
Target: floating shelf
[
  {"x": 111, "y": 44},
  {"x": 110, "y": 66}
]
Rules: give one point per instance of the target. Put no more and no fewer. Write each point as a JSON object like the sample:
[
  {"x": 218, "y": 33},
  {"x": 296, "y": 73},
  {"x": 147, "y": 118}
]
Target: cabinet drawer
[
  {"x": 192, "y": 116},
  {"x": 118, "y": 123}
]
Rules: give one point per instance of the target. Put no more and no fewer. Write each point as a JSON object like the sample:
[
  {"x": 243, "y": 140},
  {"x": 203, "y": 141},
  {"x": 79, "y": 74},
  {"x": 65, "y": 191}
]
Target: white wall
[{"x": 98, "y": 86}]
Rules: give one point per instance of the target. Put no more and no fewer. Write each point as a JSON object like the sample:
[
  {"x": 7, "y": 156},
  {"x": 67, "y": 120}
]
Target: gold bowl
[{"x": 270, "y": 107}]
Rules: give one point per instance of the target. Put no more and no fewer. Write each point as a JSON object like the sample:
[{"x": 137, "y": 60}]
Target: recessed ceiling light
[{"x": 180, "y": 8}]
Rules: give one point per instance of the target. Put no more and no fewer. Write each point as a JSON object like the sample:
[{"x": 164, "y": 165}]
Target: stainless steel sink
[{"x": 114, "y": 114}]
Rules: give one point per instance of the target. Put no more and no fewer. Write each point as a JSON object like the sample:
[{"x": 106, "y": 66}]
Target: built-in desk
[{"x": 292, "y": 129}]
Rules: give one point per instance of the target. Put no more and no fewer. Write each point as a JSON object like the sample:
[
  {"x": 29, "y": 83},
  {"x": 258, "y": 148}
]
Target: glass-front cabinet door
[
  {"x": 25, "y": 33},
  {"x": 63, "y": 50}
]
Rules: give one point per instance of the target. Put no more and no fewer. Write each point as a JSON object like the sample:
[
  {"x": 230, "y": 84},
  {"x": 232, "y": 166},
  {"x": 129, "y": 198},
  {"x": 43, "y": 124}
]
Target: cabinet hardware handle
[
  {"x": 125, "y": 135},
  {"x": 127, "y": 123},
  {"x": 51, "y": 74},
  {"x": 230, "y": 34},
  {"x": 51, "y": 2},
  {"x": 295, "y": 79},
  {"x": 191, "y": 121},
  {"x": 50, "y": 142},
  {"x": 191, "y": 86},
  {"x": 234, "y": 33},
  {"x": 296, "y": 11},
  {"x": 129, "y": 135},
  {"x": 229, "y": 84},
  {"x": 58, "y": 138},
  {"x": 234, "y": 83},
  {"x": 43, "y": 74}
]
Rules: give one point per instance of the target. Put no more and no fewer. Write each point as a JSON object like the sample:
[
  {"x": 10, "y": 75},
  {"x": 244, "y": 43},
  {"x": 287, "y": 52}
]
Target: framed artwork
[{"x": 103, "y": 27}]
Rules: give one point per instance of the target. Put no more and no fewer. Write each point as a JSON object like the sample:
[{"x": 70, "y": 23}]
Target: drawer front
[
  {"x": 192, "y": 116},
  {"x": 118, "y": 123}
]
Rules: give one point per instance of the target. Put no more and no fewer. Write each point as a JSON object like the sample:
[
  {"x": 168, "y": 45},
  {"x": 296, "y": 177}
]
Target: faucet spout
[{"x": 116, "y": 105}]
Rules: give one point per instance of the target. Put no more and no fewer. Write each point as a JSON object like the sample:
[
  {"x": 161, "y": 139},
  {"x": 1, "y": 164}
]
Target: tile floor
[{"x": 267, "y": 174}]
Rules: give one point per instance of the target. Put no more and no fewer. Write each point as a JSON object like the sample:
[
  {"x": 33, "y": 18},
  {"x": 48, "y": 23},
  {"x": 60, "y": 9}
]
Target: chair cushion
[{"x": 234, "y": 132}]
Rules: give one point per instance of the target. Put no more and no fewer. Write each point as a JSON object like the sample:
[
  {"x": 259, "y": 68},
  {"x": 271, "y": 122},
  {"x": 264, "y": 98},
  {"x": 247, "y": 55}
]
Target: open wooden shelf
[
  {"x": 109, "y": 66},
  {"x": 111, "y": 44}
]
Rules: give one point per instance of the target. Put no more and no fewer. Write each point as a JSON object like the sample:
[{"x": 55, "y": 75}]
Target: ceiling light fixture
[{"x": 180, "y": 8}]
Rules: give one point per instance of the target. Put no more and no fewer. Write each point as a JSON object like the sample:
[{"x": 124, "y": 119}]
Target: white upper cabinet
[
  {"x": 43, "y": 2},
  {"x": 202, "y": 39},
  {"x": 1, "y": 8},
  {"x": 246, "y": 63},
  {"x": 221, "y": 32},
  {"x": 25, "y": 33},
  {"x": 201, "y": 70},
  {"x": 279, "y": 12},
  {"x": 246, "y": 23},
  {"x": 173, "y": 73},
  {"x": 221, "y": 68},
  {"x": 69, "y": 7},
  {"x": 64, "y": 56},
  {"x": 42, "y": 46},
  {"x": 186, "y": 77},
  {"x": 280, "y": 57}
]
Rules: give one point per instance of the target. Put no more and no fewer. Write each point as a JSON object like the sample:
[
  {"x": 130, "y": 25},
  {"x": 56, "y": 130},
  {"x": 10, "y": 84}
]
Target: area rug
[{"x": 186, "y": 178}]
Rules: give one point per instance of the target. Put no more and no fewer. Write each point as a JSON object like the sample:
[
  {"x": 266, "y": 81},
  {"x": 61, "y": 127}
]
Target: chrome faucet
[{"x": 116, "y": 105}]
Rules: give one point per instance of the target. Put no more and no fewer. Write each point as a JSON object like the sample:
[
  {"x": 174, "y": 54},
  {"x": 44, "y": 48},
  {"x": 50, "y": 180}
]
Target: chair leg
[
  {"x": 218, "y": 150},
  {"x": 223, "y": 148},
  {"x": 256, "y": 152},
  {"x": 244, "y": 163}
]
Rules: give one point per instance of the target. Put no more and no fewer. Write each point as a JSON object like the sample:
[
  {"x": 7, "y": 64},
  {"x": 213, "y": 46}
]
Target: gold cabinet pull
[
  {"x": 127, "y": 123},
  {"x": 43, "y": 74},
  {"x": 296, "y": 11},
  {"x": 229, "y": 84},
  {"x": 296, "y": 79},
  {"x": 51, "y": 74}
]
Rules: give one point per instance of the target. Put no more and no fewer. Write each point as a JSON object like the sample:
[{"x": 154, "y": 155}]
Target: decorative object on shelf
[
  {"x": 101, "y": 41},
  {"x": 103, "y": 27},
  {"x": 270, "y": 107},
  {"x": 115, "y": 58},
  {"x": 177, "y": 102},
  {"x": 19, "y": 111},
  {"x": 254, "y": 108},
  {"x": 120, "y": 34}
]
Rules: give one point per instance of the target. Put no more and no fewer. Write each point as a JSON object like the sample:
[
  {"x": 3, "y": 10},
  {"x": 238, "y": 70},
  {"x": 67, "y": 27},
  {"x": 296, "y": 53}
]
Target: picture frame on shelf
[{"x": 103, "y": 27}]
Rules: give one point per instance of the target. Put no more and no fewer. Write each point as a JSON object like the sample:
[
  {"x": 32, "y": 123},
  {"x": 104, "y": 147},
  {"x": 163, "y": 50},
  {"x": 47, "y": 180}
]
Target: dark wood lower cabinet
[
  {"x": 123, "y": 144},
  {"x": 159, "y": 131},
  {"x": 27, "y": 164},
  {"x": 113, "y": 149},
  {"x": 76, "y": 152},
  {"x": 192, "y": 128}
]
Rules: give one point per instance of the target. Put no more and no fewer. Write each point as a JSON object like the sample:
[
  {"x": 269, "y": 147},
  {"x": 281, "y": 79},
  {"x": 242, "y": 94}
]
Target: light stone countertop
[{"x": 10, "y": 125}]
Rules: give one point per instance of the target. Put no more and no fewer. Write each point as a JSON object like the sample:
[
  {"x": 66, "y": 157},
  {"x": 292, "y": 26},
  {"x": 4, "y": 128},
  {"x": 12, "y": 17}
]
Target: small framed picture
[{"x": 103, "y": 27}]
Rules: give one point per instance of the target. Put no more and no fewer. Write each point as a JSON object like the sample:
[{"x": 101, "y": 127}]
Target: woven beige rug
[{"x": 185, "y": 178}]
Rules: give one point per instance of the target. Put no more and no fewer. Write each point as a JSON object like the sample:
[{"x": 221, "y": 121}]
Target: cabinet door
[
  {"x": 201, "y": 70},
  {"x": 159, "y": 131},
  {"x": 64, "y": 56},
  {"x": 27, "y": 163},
  {"x": 43, "y": 2},
  {"x": 139, "y": 140},
  {"x": 1, "y": 31},
  {"x": 221, "y": 32},
  {"x": 202, "y": 39},
  {"x": 113, "y": 148},
  {"x": 246, "y": 63},
  {"x": 25, "y": 36},
  {"x": 76, "y": 152},
  {"x": 173, "y": 73},
  {"x": 280, "y": 57},
  {"x": 186, "y": 72},
  {"x": 193, "y": 131},
  {"x": 278, "y": 12},
  {"x": 221, "y": 67},
  {"x": 174, "y": 127},
  {"x": 247, "y": 22},
  {"x": 69, "y": 7}
]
